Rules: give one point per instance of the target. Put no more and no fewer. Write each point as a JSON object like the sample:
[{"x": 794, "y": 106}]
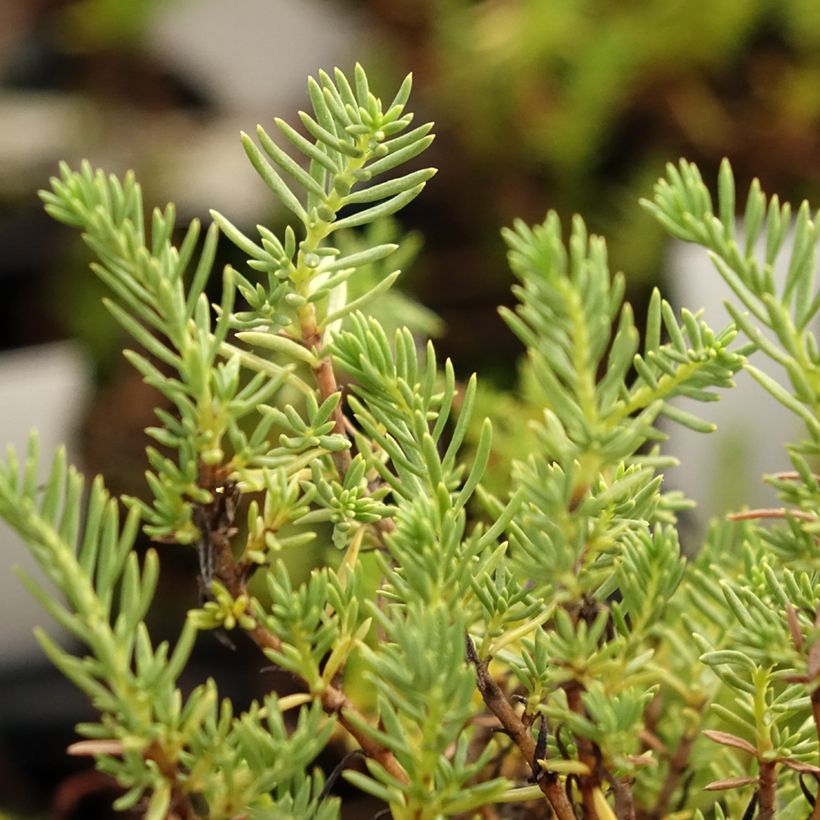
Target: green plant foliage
[{"x": 481, "y": 638}]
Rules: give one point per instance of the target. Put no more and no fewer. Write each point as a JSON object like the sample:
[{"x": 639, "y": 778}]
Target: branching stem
[
  {"x": 519, "y": 733},
  {"x": 231, "y": 574},
  {"x": 180, "y": 802}
]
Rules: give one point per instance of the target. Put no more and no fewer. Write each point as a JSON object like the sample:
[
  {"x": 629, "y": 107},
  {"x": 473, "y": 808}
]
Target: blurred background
[{"x": 568, "y": 104}]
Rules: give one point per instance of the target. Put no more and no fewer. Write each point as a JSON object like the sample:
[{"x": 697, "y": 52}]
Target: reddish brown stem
[
  {"x": 677, "y": 766},
  {"x": 792, "y": 475},
  {"x": 586, "y": 754},
  {"x": 813, "y": 673},
  {"x": 325, "y": 378},
  {"x": 815, "y": 709},
  {"x": 335, "y": 702},
  {"x": 326, "y": 381},
  {"x": 767, "y": 791},
  {"x": 519, "y": 733},
  {"x": 815, "y": 812},
  {"x": 217, "y": 527}
]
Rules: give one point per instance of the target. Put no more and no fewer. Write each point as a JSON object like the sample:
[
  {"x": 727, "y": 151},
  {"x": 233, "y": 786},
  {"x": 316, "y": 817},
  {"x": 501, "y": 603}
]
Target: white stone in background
[
  {"x": 45, "y": 388},
  {"x": 252, "y": 57},
  {"x": 722, "y": 471},
  {"x": 252, "y": 54},
  {"x": 37, "y": 129}
]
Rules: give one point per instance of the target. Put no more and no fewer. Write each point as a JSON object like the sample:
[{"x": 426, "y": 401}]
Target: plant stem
[
  {"x": 813, "y": 675},
  {"x": 335, "y": 702},
  {"x": 325, "y": 380},
  {"x": 767, "y": 791},
  {"x": 586, "y": 754},
  {"x": 180, "y": 803},
  {"x": 218, "y": 525},
  {"x": 624, "y": 800},
  {"x": 677, "y": 766},
  {"x": 519, "y": 733}
]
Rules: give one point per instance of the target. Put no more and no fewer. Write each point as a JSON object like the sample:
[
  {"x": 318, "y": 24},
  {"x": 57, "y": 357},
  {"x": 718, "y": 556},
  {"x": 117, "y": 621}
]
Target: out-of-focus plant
[
  {"x": 94, "y": 24},
  {"x": 535, "y": 639},
  {"x": 578, "y": 104}
]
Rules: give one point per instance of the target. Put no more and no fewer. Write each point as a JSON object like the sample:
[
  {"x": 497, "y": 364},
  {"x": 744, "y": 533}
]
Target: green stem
[
  {"x": 646, "y": 395},
  {"x": 311, "y": 332}
]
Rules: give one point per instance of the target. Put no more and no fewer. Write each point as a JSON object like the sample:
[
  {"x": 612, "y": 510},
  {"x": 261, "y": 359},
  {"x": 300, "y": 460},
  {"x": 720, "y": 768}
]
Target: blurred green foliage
[
  {"x": 577, "y": 104},
  {"x": 87, "y": 25}
]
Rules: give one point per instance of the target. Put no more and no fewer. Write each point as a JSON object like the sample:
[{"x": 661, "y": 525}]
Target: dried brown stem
[
  {"x": 335, "y": 702},
  {"x": 519, "y": 733},
  {"x": 770, "y": 512},
  {"x": 792, "y": 475}
]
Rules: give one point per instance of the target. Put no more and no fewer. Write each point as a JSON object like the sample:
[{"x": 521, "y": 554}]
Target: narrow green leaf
[
  {"x": 310, "y": 150},
  {"x": 238, "y": 238},
  {"x": 399, "y": 156},
  {"x": 203, "y": 269},
  {"x": 356, "y": 304},
  {"x": 368, "y": 215},
  {"x": 674, "y": 413},
  {"x": 480, "y": 461},
  {"x": 786, "y": 399},
  {"x": 271, "y": 178},
  {"x": 652, "y": 336},
  {"x": 357, "y": 260},
  {"x": 362, "y": 88},
  {"x": 140, "y": 334},
  {"x": 280, "y": 344},
  {"x": 320, "y": 106},
  {"x": 288, "y": 164},
  {"x": 726, "y": 197},
  {"x": 755, "y": 335},
  {"x": 389, "y": 188},
  {"x": 803, "y": 248},
  {"x": 331, "y": 141},
  {"x": 670, "y": 322}
]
